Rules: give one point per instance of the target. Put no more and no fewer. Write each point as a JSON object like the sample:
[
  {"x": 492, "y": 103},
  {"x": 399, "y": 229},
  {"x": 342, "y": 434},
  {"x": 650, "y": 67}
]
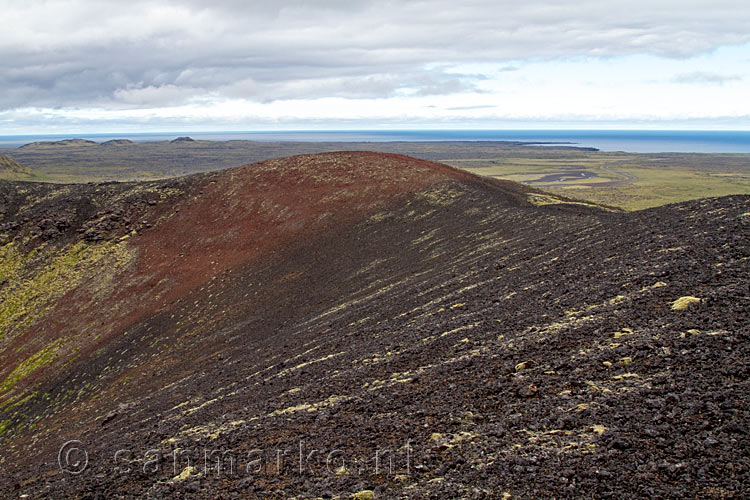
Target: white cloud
[
  {"x": 475, "y": 59},
  {"x": 701, "y": 77}
]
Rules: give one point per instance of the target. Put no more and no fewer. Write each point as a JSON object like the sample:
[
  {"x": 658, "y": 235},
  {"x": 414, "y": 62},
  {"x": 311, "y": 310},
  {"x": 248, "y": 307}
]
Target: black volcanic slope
[{"x": 371, "y": 326}]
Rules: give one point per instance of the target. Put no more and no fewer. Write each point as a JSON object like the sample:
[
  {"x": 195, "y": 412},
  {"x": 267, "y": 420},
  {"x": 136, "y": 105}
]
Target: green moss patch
[
  {"x": 37, "y": 360},
  {"x": 34, "y": 281},
  {"x": 684, "y": 302}
]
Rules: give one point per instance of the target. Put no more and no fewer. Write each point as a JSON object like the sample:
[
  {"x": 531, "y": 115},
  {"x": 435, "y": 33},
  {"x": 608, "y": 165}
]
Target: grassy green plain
[{"x": 628, "y": 180}]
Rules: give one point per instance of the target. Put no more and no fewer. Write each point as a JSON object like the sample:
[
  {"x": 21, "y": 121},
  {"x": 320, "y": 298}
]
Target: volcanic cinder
[{"x": 367, "y": 325}]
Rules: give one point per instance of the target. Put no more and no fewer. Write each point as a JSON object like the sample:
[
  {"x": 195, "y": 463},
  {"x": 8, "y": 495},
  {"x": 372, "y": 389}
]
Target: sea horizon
[{"x": 632, "y": 141}]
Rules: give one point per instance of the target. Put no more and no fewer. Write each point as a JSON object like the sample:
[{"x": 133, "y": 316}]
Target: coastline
[{"x": 631, "y": 141}]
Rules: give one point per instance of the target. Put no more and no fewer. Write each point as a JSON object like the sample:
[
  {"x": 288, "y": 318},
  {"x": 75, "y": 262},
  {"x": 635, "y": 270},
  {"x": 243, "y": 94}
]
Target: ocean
[{"x": 634, "y": 141}]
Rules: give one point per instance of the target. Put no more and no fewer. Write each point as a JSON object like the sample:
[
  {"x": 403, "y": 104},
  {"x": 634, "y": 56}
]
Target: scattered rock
[
  {"x": 684, "y": 302},
  {"x": 364, "y": 495}
]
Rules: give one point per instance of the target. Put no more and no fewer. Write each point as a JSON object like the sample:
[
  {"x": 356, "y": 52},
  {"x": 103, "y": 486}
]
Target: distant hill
[
  {"x": 360, "y": 325},
  {"x": 182, "y": 139},
  {"x": 117, "y": 142},
  {"x": 66, "y": 143}
]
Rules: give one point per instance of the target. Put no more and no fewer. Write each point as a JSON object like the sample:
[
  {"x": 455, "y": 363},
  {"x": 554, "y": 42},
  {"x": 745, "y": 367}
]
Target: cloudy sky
[{"x": 162, "y": 65}]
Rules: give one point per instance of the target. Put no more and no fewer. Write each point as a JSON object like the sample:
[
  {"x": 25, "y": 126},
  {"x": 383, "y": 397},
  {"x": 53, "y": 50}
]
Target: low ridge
[
  {"x": 362, "y": 323},
  {"x": 59, "y": 144},
  {"x": 118, "y": 142},
  {"x": 10, "y": 166}
]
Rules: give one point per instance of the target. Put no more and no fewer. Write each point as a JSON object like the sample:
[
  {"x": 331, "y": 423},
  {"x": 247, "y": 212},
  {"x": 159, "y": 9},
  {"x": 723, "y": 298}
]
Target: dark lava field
[{"x": 369, "y": 326}]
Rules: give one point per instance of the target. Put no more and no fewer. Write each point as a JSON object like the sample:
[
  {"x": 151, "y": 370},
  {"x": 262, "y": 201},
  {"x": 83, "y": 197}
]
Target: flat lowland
[
  {"x": 626, "y": 180},
  {"x": 369, "y": 325}
]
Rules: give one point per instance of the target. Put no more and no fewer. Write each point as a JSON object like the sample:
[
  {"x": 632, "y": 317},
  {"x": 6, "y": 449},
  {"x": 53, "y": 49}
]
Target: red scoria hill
[{"x": 362, "y": 325}]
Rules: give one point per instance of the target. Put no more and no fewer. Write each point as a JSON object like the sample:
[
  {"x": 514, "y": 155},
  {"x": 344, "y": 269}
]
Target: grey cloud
[
  {"x": 348, "y": 85},
  {"x": 85, "y": 53},
  {"x": 151, "y": 95},
  {"x": 312, "y": 88}
]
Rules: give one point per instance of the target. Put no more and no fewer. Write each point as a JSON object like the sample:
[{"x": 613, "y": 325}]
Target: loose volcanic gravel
[{"x": 448, "y": 340}]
